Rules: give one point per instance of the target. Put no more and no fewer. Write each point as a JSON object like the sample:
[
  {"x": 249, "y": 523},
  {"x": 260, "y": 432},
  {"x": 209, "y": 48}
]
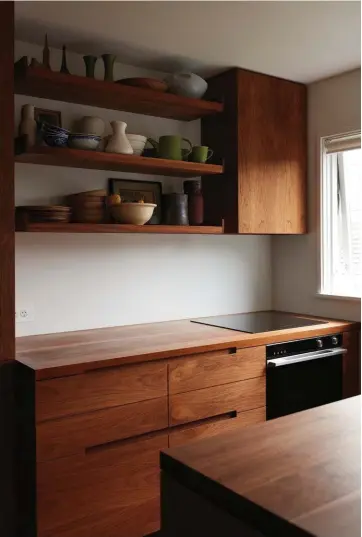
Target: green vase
[
  {"x": 90, "y": 63},
  {"x": 108, "y": 60}
]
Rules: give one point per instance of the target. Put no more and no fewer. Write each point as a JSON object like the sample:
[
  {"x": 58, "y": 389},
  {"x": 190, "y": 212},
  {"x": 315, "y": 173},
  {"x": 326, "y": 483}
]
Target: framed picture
[
  {"x": 149, "y": 191},
  {"x": 53, "y": 117}
]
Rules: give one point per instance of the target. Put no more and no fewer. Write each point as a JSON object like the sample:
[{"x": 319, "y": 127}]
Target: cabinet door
[
  {"x": 272, "y": 154},
  {"x": 112, "y": 491}
]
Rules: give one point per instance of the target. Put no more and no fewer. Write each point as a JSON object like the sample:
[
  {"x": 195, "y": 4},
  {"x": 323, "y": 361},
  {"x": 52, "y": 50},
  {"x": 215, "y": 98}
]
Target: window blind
[{"x": 335, "y": 144}]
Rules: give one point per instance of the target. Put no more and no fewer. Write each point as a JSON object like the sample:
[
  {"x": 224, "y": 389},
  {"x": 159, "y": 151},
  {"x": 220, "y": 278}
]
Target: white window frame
[{"x": 325, "y": 202}]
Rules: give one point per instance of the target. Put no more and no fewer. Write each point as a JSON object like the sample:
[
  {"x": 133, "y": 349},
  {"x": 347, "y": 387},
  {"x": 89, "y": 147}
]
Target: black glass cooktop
[{"x": 262, "y": 321}]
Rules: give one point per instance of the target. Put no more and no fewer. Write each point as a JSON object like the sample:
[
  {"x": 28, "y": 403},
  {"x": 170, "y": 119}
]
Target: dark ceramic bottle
[
  {"x": 195, "y": 202},
  {"x": 174, "y": 209}
]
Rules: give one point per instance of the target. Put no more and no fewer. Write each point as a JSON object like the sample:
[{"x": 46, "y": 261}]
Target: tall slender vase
[
  {"x": 108, "y": 60},
  {"x": 64, "y": 68},
  {"x": 118, "y": 142},
  {"x": 28, "y": 126},
  {"x": 90, "y": 63}
]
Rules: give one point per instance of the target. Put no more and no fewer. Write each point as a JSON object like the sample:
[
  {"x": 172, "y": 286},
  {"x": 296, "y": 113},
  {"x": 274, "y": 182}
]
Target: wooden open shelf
[
  {"x": 97, "y": 160},
  {"x": 39, "y": 82},
  {"x": 118, "y": 228}
]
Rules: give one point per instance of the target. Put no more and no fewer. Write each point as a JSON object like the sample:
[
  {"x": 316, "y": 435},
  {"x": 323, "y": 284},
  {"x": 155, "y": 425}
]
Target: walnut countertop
[
  {"x": 69, "y": 353},
  {"x": 297, "y": 476}
]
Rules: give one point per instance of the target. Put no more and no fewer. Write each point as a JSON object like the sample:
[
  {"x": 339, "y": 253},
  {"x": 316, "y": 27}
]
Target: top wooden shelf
[{"x": 39, "y": 82}]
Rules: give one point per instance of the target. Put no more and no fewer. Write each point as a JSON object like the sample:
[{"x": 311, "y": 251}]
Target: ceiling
[{"x": 302, "y": 41}]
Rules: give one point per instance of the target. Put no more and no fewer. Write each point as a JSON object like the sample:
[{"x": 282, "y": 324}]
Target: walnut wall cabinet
[{"x": 261, "y": 139}]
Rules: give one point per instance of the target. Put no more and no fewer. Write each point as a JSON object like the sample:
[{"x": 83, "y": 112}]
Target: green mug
[
  {"x": 169, "y": 147},
  {"x": 201, "y": 153}
]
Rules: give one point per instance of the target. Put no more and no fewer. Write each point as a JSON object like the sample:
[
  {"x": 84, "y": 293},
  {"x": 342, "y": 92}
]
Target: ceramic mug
[
  {"x": 169, "y": 147},
  {"x": 201, "y": 153}
]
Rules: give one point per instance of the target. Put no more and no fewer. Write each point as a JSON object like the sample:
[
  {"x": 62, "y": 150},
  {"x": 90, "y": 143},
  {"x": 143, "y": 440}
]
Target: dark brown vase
[
  {"x": 195, "y": 202},
  {"x": 174, "y": 208}
]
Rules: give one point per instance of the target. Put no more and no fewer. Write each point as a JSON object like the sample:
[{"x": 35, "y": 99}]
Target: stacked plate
[
  {"x": 88, "y": 207},
  {"x": 46, "y": 213}
]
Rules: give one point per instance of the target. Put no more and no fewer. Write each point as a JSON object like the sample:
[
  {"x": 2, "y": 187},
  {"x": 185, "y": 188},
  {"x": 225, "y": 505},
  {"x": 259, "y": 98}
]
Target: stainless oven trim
[{"x": 305, "y": 357}]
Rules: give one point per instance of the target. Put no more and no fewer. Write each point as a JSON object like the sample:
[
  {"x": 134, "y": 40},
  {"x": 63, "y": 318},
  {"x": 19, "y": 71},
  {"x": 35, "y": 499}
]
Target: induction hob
[{"x": 261, "y": 321}]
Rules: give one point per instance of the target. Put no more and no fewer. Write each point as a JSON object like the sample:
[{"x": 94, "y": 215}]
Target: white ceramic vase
[
  {"x": 28, "y": 126},
  {"x": 118, "y": 142}
]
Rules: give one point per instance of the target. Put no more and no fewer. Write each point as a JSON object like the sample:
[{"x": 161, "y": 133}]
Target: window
[{"x": 341, "y": 216}]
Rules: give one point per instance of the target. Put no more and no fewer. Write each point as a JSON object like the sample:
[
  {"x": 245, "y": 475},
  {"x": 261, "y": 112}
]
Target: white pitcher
[
  {"x": 118, "y": 142},
  {"x": 28, "y": 124}
]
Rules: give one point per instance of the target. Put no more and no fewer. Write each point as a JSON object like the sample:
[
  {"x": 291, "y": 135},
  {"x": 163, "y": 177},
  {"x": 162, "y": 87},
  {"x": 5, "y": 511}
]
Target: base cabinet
[
  {"x": 98, "y": 436},
  {"x": 115, "y": 489}
]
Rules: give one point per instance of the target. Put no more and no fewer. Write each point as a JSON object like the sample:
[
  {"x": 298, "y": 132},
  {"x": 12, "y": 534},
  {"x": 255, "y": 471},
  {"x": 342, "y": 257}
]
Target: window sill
[{"x": 339, "y": 297}]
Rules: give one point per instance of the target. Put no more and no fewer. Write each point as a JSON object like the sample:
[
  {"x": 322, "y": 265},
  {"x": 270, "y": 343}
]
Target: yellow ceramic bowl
[{"x": 133, "y": 213}]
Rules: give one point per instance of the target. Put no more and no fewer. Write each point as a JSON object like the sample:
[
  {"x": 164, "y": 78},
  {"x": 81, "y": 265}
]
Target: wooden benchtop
[
  {"x": 297, "y": 476},
  {"x": 69, "y": 353}
]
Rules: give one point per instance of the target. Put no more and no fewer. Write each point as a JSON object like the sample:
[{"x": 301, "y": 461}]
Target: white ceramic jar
[
  {"x": 92, "y": 125},
  {"x": 118, "y": 142}
]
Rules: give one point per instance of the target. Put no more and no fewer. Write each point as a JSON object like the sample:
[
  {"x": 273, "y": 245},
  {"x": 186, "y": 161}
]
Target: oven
[{"x": 303, "y": 374}]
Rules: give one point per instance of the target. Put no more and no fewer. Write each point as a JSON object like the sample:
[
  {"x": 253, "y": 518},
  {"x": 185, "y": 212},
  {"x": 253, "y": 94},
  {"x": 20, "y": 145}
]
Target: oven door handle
[{"x": 298, "y": 358}]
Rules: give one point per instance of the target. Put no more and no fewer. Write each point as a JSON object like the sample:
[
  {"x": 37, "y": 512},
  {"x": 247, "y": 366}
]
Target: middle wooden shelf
[{"x": 96, "y": 160}]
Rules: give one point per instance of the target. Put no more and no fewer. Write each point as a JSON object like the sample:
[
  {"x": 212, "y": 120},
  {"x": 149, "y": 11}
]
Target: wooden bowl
[{"x": 149, "y": 83}]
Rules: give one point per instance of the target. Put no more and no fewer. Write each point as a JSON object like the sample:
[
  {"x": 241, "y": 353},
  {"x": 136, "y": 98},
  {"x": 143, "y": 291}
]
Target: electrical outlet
[{"x": 24, "y": 315}]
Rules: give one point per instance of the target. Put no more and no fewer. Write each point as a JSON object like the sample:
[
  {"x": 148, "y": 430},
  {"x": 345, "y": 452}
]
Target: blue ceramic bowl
[
  {"x": 56, "y": 140},
  {"x": 53, "y": 129}
]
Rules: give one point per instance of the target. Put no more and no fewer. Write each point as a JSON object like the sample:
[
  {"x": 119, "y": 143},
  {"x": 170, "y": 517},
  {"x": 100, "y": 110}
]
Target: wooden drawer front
[
  {"x": 67, "y": 436},
  {"x": 209, "y": 402},
  {"x": 188, "y": 374},
  {"x": 100, "y": 389},
  {"x": 211, "y": 428},
  {"x": 107, "y": 486}
]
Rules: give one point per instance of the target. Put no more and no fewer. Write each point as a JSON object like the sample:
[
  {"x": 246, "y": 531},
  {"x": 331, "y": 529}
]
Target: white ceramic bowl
[
  {"x": 138, "y": 142},
  {"x": 133, "y": 213},
  {"x": 84, "y": 141}
]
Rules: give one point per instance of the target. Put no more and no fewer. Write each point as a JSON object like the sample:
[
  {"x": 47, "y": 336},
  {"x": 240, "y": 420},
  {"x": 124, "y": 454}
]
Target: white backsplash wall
[{"x": 75, "y": 282}]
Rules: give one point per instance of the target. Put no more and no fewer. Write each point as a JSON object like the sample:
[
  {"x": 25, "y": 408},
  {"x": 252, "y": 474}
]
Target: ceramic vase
[
  {"x": 64, "y": 68},
  {"x": 28, "y": 125},
  {"x": 118, "y": 142},
  {"x": 108, "y": 60},
  {"x": 187, "y": 84},
  {"x": 92, "y": 125},
  {"x": 195, "y": 202},
  {"x": 175, "y": 210},
  {"x": 90, "y": 63}
]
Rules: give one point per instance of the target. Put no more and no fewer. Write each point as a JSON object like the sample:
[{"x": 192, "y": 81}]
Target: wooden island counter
[{"x": 297, "y": 476}]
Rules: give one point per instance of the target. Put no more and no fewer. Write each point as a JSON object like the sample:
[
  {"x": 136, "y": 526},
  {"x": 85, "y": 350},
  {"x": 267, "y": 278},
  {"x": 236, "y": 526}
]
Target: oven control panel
[{"x": 303, "y": 345}]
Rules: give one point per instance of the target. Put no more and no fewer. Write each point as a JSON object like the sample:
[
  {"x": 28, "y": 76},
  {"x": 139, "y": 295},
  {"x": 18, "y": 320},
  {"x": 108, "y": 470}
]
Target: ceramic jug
[
  {"x": 28, "y": 125},
  {"x": 118, "y": 142},
  {"x": 169, "y": 147}
]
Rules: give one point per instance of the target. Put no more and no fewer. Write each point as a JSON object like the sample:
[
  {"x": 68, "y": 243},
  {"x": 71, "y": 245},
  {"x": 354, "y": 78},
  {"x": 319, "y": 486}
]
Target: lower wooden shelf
[{"x": 49, "y": 227}]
